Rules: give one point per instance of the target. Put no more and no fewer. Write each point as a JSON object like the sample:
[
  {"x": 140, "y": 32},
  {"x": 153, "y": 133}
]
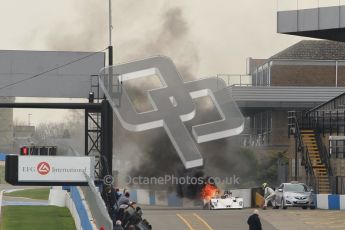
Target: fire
[{"x": 208, "y": 191}]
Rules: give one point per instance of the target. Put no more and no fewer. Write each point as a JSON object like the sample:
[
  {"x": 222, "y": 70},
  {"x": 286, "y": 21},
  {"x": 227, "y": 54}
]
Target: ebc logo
[{"x": 43, "y": 168}]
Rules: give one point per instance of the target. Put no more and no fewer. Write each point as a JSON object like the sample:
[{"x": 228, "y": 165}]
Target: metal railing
[
  {"x": 325, "y": 159},
  {"x": 335, "y": 103},
  {"x": 261, "y": 76},
  {"x": 294, "y": 129},
  {"x": 305, "y": 158},
  {"x": 326, "y": 121},
  {"x": 337, "y": 150},
  {"x": 331, "y": 122},
  {"x": 339, "y": 182},
  {"x": 236, "y": 79},
  {"x": 317, "y": 182},
  {"x": 300, "y": 120},
  {"x": 311, "y": 178},
  {"x": 252, "y": 140}
]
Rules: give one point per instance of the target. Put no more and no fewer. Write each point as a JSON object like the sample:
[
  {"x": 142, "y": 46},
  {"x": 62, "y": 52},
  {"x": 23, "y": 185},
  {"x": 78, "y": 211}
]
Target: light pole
[{"x": 29, "y": 114}]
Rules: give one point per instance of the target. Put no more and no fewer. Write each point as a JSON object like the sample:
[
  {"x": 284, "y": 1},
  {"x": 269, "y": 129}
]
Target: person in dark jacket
[
  {"x": 108, "y": 195},
  {"x": 124, "y": 199},
  {"x": 118, "y": 194},
  {"x": 133, "y": 216},
  {"x": 254, "y": 221},
  {"x": 118, "y": 225},
  {"x": 123, "y": 204}
]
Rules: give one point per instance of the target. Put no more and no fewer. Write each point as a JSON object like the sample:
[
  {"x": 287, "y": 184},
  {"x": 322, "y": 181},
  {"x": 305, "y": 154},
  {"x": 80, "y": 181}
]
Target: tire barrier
[{"x": 330, "y": 201}]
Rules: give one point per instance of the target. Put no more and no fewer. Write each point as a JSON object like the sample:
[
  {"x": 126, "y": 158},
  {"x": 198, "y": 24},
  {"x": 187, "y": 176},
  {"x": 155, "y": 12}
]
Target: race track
[
  {"x": 292, "y": 218},
  {"x": 201, "y": 219}
]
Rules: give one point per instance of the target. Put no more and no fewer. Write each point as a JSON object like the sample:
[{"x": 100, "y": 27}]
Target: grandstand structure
[
  {"x": 311, "y": 131},
  {"x": 301, "y": 79}
]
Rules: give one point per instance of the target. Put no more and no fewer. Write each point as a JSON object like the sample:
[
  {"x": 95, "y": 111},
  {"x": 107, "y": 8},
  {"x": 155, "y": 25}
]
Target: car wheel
[
  {"x": 283, "y": 204},
  {"x": 304, "y": 207}
]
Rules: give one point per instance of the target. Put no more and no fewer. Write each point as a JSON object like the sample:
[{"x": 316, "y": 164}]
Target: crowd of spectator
[{"x": 125, "y": 214}]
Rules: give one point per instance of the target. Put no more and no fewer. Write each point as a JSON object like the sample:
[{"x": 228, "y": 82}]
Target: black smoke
[{"x": 152, "y": 150}]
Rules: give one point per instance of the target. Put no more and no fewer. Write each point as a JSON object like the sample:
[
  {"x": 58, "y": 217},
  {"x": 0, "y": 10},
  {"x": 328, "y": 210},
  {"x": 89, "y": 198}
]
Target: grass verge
[
  {"x": 36, "y": 218},
  {"x": 37, "y": 193}
]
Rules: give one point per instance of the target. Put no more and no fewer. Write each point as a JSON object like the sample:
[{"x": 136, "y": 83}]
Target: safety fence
[{"x": 96, "y": 206}]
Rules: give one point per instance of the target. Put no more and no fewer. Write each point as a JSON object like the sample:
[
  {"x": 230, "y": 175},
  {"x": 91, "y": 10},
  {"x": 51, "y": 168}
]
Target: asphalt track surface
[
  {"x": 200, "y": 219},
  {"x": 290, "y": 219},
  {"x": 165, "y": 218}
]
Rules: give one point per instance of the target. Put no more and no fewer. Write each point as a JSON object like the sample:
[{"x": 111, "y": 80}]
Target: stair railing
[
  {"x": 325, "y": 159},
  {"x": 294, "y": 123}
]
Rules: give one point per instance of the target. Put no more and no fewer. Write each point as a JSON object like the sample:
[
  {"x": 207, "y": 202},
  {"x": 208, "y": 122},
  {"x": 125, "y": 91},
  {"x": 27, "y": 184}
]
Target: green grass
[
  {"x": 36, "y": 218},
  {"x": 38, "y": 193}
]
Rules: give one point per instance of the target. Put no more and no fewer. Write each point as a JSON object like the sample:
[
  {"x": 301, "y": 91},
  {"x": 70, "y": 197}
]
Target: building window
[{"x": 259, "y": 131}]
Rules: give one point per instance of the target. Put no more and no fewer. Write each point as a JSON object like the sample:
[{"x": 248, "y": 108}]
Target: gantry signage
[{"x": 36, "y": 170}]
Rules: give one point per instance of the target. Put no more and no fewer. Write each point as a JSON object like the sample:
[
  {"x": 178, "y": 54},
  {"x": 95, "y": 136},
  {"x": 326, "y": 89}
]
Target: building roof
[{"x": 314, "y": 50}]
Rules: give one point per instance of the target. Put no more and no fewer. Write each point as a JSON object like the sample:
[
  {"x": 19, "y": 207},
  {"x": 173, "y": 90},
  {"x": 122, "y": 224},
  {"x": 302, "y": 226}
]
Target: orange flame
[{"x": 208, "y": 192}]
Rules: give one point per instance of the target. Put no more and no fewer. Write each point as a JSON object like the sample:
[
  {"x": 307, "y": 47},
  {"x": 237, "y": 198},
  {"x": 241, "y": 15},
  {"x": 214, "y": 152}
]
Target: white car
[
  {"x": 227, "y": 201},
  {"x": 294, "y": 194}
]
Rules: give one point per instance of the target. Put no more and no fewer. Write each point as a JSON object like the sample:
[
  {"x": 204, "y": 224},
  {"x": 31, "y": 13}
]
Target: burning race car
[
  {"x": 227, "y": 201},
  {"x": 210, "y": 195}
]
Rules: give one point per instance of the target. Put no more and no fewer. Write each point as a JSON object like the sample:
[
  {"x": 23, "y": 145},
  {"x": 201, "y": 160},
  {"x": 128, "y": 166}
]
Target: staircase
[{"x": 319, "y": 168}]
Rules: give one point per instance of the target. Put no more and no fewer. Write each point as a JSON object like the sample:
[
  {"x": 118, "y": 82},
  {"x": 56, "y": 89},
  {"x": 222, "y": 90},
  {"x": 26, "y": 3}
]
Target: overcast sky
[{"x": 203, "y": 37}]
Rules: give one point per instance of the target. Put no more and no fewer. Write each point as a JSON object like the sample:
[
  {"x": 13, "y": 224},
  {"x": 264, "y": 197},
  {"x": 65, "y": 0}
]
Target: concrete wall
[
  {"x": 74, "y": 212},
  {"x": 76, "y": 203},
  {"x": 81, "y": 207}
]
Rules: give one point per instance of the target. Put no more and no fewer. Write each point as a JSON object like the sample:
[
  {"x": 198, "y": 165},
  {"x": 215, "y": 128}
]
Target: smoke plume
[
  {"x": 154, "y": 151},
  {"x": 172, "y": 39},
  {"x": 150, "y": 153},
  {"x": 86, "y": 31}
]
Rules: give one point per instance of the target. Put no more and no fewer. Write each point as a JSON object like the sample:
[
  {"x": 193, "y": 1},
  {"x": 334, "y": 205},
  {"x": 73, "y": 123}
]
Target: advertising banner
[{"x": 54, "y": 168}]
